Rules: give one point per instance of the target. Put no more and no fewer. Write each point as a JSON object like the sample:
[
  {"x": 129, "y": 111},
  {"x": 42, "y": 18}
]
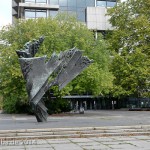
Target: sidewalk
[
  {"x": 94, "y": 130},
  {"x": 98, "y": 143}
]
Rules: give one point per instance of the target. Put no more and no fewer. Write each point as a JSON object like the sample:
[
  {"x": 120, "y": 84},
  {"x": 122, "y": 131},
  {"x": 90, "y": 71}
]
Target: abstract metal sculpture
[{"x": 37, "y": 72}]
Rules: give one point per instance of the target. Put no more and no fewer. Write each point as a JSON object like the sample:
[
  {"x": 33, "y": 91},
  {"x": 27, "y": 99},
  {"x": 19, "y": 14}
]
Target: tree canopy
[
  {"x": 130, "y": 46},
  {"x": 61, "y": 33}
]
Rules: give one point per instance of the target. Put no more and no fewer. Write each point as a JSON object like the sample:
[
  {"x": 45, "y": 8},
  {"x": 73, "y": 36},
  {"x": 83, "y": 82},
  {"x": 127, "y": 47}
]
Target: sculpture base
[{"x": 41, "y": 112}]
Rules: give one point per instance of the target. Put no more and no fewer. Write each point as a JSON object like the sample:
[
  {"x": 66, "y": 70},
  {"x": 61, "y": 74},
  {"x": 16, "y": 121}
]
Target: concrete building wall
[{"x": 97, "y": 19}]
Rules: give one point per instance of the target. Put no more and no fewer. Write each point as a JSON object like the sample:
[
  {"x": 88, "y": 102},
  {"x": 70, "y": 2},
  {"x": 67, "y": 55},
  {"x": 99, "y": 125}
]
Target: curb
[
  {"x": 79, "y": 128},
  {"x": 83, "y": 132}
]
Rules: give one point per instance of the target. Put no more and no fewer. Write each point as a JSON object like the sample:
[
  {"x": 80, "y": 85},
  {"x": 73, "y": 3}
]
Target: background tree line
[
  {"x": 61, "y": 33},
  {"x": 121, "y": 64},
  {"x": 130, "y": 46}
]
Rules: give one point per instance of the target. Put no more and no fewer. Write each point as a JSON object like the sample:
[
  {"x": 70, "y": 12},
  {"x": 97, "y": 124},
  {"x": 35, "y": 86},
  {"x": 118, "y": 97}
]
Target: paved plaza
[
  {"x": 72, "y": 120},
  {"x": 98, "y": 143},
  {"x": 111, "y": 130}
]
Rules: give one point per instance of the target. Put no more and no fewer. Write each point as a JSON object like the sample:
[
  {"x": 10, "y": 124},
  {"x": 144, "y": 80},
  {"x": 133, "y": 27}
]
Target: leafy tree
[
  {"x": 61, "y": 33},
  {"x": 130, "y": 46}
]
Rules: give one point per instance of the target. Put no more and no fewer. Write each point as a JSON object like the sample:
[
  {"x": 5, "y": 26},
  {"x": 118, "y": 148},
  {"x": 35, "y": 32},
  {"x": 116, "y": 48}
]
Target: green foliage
[
  {"x": 58, "y": 105},
  {"x": 1, "y": 102},
  {"x": 93, "y": 81},
  {"x": 60, "y": 34},
  {"x": 130, "y": 45},
  {"x": 14, "y": 104}
]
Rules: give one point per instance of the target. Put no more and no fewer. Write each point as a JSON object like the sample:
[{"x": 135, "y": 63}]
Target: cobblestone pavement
[{"x": 97, "y": 143}]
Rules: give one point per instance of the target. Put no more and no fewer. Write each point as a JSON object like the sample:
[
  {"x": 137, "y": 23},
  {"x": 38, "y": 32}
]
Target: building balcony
[{"x": 38, "y": 6}]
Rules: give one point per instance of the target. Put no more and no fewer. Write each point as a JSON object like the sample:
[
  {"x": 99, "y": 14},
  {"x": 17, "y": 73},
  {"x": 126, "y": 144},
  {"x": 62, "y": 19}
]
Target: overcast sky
[{"x": 5, "y": 12}]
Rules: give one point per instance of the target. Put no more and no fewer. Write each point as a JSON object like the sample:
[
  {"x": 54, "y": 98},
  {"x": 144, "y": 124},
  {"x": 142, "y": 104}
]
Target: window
[
  {"x": 63, "y": 2},
  {"x": 71, "y": 9},
  {"x": 35, "y": 1},
  {"x": 32, "y": 13},
  {"x": 41, "y": 1},
  {"x": 81, "y": 16},
  {"x": 53, "y": 13},
  {"x": 101, "y": 3},
  {"x": 63, "y": 8},
  {"x": 111, "y": 3},
  {"x": 80, "y": 9},
  {"x": 29, "y": 1},
  {"x": 41, "y": 13},
  {"x": 81, "y": 3},
  {"x": 72, "y": 3},
  {"x": 29, "y": 13},
  {"x": 53, "y": 2},
  {"x": 106, "y": 3},
  {"x": 90, "y": 3}
]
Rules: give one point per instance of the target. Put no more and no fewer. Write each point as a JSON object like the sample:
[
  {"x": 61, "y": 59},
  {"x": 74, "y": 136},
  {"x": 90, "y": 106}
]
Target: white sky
[{"x": 5, "y": 12}]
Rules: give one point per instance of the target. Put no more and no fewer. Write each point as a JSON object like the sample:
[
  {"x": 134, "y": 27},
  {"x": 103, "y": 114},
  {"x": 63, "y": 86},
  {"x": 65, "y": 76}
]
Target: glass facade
[
  {"x": 29, "y": 1},
  {"x": 41, "y": 13},
  {"x": 35, "y": 13},
  {"x": 101, "y": 3},
  {"x": 63, "y": 2},
  {"x": 75, "y": 7},
  {"x": 106, "y": 3},
  {"x": 90, "y": 3},
  {"x": 111, "y": 3},
  {"x": 53, "y": 2},
  {"x": 53, "y": 13},
  {"x": 41, "y": 1},
  {"x": 35, "y": 1},
  {"x": 29, "y": 14}
]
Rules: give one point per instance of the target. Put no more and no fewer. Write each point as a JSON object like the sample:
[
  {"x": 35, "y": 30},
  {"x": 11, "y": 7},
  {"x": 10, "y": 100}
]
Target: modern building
[{"x": 90, "y": 12}]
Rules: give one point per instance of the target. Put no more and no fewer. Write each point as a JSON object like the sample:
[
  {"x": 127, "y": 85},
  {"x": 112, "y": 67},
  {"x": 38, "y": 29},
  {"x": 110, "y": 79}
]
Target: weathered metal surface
[{"x": 36, "y": 71}]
